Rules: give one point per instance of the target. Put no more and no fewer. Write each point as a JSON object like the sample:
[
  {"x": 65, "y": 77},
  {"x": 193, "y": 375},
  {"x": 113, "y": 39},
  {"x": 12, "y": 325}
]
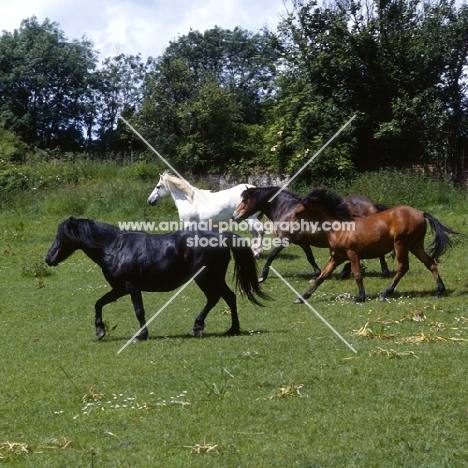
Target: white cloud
[{"x": 141, "y": 26}]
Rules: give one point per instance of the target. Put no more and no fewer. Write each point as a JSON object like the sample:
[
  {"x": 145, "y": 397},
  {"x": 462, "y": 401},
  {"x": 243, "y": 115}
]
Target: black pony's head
[{"x": 74, "y": 234}]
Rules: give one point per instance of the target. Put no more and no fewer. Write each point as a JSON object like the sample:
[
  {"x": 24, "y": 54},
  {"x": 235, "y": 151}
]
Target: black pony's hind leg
[
  {"x": 231, "y": 301},
  {"x": 213, "y": 293},
  {"x": 109, "y": 297},
  {"x": 140, "y": 315}
]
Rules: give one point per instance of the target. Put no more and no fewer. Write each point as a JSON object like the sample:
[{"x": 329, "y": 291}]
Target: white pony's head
[
  {"x": 160, "y": 191},
  {"x": 167, "y": 183}
]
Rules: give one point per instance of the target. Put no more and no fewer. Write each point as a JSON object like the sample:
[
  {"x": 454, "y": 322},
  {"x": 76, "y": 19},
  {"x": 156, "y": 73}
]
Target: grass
[{"x": 286, "y": 392}]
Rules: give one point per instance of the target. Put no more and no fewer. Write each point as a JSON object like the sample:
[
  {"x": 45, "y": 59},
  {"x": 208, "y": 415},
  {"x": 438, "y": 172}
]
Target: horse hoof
[
  {"x": 232, "y": 332},
  {"x": 382, "y": 297},
  {"x": 299, "y": 301},
  {"x": 100, "y": 334},
  {"x": 137, "y": 339},
  {"x": 261, "y": 279},
  {"x": 197, "y": 334}
]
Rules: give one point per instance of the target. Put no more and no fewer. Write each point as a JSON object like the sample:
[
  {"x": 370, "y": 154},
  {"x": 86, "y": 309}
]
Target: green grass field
[{"x": 287, "y": 392}]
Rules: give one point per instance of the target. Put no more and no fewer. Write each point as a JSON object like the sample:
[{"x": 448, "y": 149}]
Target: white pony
[{"x": 197, "y": 206}]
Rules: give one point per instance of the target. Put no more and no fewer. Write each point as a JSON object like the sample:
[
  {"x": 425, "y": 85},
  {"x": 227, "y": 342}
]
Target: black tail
[
  {"x": 441, "y": 241},
  {"x": 245, "y": 269}
]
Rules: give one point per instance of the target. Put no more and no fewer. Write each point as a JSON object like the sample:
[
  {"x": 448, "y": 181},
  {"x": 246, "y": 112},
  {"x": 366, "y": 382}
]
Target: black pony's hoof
[
  {"x": 197, "y": 333},
  {"x": 140, "y": 338},
  {"x": 261, "y": 279},
  {"x": 232, "y": 332},
  {"x": 100, "y": 334},
  {"x": 382, "y": 297}
]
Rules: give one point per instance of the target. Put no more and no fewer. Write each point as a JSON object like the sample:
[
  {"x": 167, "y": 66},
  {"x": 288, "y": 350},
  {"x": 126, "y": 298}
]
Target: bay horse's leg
[
  {"x": 140, "y": 315},
  {"x": 326, "y": 272},
  {"x": 109, "y": 297},
  {"x": 357, "y": 273},
  {"x": 384, "y": 267},
  {"x": 401, "y": 254},
  {"x": 266, "y": 267},
  {"x": 419, "y": 252},
  {"x": 310, "y": 258}
]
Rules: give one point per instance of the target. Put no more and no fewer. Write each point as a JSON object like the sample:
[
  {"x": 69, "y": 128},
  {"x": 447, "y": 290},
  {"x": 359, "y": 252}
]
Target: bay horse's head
[
  {"x": 160, "y": 191},
  {"x": 247, "y": 205},
  {"x": 64, "y": 244}
]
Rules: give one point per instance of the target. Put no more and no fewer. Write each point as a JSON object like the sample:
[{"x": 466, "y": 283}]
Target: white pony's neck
[{"x": 178, "y": 188}]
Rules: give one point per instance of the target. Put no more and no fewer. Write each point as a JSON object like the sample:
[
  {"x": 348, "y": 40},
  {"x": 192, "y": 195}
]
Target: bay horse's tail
[
  {"x": 441, "y": 241},
  {"x": 245, "y": 269}
]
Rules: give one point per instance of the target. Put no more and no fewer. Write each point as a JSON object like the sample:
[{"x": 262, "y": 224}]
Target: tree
[
  {"x": 205, "y": 96},
  {"x": 117, "y": 89},
  {"x": 398, "y": 64},
  {"x": 42, "y": 80}
]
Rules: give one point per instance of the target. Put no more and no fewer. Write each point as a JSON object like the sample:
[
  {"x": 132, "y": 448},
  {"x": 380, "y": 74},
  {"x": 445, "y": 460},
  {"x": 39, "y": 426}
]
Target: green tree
[
  {"x": 397, "y": 64},
  {"x": 205, "y": 97},
  {"x": 42, "y": 80}
]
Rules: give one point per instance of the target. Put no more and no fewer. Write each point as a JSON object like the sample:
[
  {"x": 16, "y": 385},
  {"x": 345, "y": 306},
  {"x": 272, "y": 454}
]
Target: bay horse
[
  {"x": 401, "y": 229},
  {"x": 134, "y": 261},
  {"x": 280, "y": 211},
  {"x": 199, "y": 206}
]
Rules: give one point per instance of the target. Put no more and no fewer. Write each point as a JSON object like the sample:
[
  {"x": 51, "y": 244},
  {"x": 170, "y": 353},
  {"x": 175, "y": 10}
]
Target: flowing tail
[
  {"x": 441, "y": 241},
  {"x": 245, "y": 269}
]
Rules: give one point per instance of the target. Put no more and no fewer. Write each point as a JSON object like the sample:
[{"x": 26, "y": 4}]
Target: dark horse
[
  {"x": 280, "y": 211},
  {"x": 133, "y": 262},
  {"x": 401, "y": 229}
]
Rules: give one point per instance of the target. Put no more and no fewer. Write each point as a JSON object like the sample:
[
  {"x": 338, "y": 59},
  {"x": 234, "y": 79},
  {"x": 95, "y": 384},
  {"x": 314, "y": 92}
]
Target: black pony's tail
[
  {"x": 441, "y": 241},
  {"x": 245, "y": 269}
]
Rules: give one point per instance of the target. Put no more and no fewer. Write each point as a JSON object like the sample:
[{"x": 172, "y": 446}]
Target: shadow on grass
[{"x": 191, "y": 337}]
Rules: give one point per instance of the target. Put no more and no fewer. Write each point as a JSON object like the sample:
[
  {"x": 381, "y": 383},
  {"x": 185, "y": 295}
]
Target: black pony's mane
[
  {"x": 331, "y": 201},
  {"x": 91, "y": 234}
]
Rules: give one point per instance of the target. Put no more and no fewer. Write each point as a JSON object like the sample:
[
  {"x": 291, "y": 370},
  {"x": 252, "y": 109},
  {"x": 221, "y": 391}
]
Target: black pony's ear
[{"x": 72, "y": 224}]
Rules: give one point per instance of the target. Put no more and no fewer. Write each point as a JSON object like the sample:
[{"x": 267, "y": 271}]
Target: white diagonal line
[
  {"x": 313, "y": 310},
  {"x": 156, "y": 152},
  {"x": 312, "y": 158},
  {"x": 161, "y": 309}
]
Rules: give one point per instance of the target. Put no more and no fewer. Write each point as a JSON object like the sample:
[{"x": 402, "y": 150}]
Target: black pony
[{"x": 133, "y": 262}]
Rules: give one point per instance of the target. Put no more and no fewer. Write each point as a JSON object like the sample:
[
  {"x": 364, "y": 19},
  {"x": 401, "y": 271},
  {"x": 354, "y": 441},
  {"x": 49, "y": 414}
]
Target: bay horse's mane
[
  {"x": 331, "y": 201},
  {"x": 262, "y": 194},
  {"x": 91, "y": 234}
]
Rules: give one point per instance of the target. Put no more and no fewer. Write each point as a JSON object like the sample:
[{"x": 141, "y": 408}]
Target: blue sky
[{"x": 141, "y": 26}]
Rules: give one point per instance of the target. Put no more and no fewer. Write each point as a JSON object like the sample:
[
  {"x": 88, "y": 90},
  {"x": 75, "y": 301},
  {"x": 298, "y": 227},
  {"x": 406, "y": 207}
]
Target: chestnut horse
[
  {"x": 280, "y": 211},
  {"x": 401, "y": 229}
]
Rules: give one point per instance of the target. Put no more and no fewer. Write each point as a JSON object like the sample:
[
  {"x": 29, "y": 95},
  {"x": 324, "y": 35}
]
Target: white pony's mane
[{"x": 181, "y": 184}]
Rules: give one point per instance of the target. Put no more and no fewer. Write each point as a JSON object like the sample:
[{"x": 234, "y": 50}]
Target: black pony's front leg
[
  {"x": 140, "y": 315},
  {"x": 109, "y": 297}
]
